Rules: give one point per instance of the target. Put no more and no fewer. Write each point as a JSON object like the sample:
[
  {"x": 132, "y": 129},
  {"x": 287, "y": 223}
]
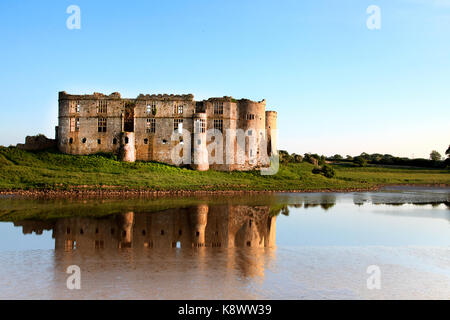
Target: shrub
[
  {"x": 311, "y": 158},
  {"x": 284, "y": 156},
  {"x": 360, "y": 161},
  {"x": 316, "y": 170},
  {"x": 322, "y": 160},
  {"x": 297, "y": 158},
  {"x": 326, "y": 170}
]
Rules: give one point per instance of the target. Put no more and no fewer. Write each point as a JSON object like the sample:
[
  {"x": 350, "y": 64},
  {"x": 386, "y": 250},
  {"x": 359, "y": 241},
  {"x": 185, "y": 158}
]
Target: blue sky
[{"x": 338, "y": 87}]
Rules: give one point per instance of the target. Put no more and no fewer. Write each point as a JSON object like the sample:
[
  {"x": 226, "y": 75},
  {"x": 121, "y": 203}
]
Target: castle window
[
  {"x": 151, "y": 125},
  {"x": 249, "y": 132},
  {"x": 178, "y": 109},
  {"x": 101, "y": 124},
  {"x": 250, "y": 116},
  {"x": 99, "y": 244},
  {"x": 77, "y": 107},
  {"x": 83, "y": 140},
  {"x": 218, "y": 124},
  {"x": 218, "y": 107},
  {"x": 115, "y": 141},
  {"x": 126, "y": 140},
  {"x": 145, "y": 141},
  {"x": 178, "y": 125},
  {"x": 164, "y": 141},
  {"x": 102, "y": 106},
  {"x": 151, "y": 108},
  {"x": 74, "y": 124},
  {"x": 154, "y": 108},
  {"x": 200, "y": 126},
  {"x": 99, "y": 141},
  {"x": 71, "y": 140}
]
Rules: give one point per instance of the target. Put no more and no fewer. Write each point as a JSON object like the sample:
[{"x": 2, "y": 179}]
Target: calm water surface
[{"x": 280, "y": 246}]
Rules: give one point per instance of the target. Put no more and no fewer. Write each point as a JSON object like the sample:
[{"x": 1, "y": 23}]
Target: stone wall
[{"x": 37, "y": 143}]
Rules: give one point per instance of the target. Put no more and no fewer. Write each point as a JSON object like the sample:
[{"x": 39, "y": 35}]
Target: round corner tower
[
  {"x": 127, "y": 147},
  {"x": 200, "y": 152},
  {"x": 271, "y": 132}
]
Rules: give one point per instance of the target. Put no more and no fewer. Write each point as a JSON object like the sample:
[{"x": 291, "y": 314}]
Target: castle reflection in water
[{"x": 226, "y": 226}]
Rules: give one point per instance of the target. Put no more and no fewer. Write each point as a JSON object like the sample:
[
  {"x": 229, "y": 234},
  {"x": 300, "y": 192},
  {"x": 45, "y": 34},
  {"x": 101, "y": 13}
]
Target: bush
[
  {"x": 360, "y": 161},
  {"x": 297, "y": 158},
  {"x": 317, "y": 170},
  {"x": 284, "y": 156},
  {"x": 311, "y": 158},
  {"x": 326, "y": 170}
]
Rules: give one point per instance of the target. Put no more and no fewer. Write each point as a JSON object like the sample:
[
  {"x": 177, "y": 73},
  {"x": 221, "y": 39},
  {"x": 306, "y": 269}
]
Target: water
[{"x": 279, "y": 246}]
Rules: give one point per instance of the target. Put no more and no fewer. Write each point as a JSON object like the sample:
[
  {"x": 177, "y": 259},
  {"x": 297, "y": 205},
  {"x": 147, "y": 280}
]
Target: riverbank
[
  {"x": 130, "y": 193},
  {"x": 53, "y": 174}
]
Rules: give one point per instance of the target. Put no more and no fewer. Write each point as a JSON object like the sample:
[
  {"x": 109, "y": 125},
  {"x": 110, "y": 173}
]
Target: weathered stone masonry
[{"x": 142, "y": 128}]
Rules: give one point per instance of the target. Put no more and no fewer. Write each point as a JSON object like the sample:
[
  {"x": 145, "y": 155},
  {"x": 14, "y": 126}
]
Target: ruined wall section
[
  {"x": 79, "y": 123},
  {"x": 157, "y": 146},
  {"x": 229, "y": 119}
]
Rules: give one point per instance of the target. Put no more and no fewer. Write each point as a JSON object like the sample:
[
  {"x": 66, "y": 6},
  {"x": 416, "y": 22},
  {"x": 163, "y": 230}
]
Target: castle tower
[
  {"x": 252, "y": 121},
  {"x": 127, "y": 147},
  {"x": 127, "y": 223},
  {"x": 271, "y": 132},
  {"x": 199, "y": 219},
  {"x": 200, "y": 153}
]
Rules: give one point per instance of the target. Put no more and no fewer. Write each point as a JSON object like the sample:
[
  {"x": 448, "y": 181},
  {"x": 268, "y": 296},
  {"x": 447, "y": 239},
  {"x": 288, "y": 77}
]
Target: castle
[
  {"x": 219, "y": 133},
  {"x": 201, "y": 225}
]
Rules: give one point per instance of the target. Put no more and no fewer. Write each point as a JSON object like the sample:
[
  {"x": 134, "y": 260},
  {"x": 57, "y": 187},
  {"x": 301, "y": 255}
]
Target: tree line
[{"x": 435, "y": 160}]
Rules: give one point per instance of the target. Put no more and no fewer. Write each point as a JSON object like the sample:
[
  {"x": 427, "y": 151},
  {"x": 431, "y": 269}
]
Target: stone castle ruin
[
  {"x": 219, "y": 133},
  {"x": 203, "y": 225}
]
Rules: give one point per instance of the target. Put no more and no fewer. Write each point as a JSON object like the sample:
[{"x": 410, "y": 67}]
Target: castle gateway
[{"x": 218, "y": 133}]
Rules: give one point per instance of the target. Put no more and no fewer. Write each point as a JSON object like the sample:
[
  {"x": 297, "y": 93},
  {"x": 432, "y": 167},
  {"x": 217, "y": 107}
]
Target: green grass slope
[{"x": 52, "y": 170}]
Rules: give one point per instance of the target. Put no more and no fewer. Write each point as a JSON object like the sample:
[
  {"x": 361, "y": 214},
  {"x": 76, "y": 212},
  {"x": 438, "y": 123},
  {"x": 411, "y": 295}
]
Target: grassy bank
[{"x": 51, "y": 170}]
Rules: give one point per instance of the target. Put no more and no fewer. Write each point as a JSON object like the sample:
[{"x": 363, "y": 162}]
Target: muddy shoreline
[{"x": 137, "y": 193}]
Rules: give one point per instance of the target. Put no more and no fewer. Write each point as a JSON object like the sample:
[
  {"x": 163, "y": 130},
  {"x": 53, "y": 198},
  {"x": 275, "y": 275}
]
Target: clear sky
[{"x": 338, "y": 87}]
